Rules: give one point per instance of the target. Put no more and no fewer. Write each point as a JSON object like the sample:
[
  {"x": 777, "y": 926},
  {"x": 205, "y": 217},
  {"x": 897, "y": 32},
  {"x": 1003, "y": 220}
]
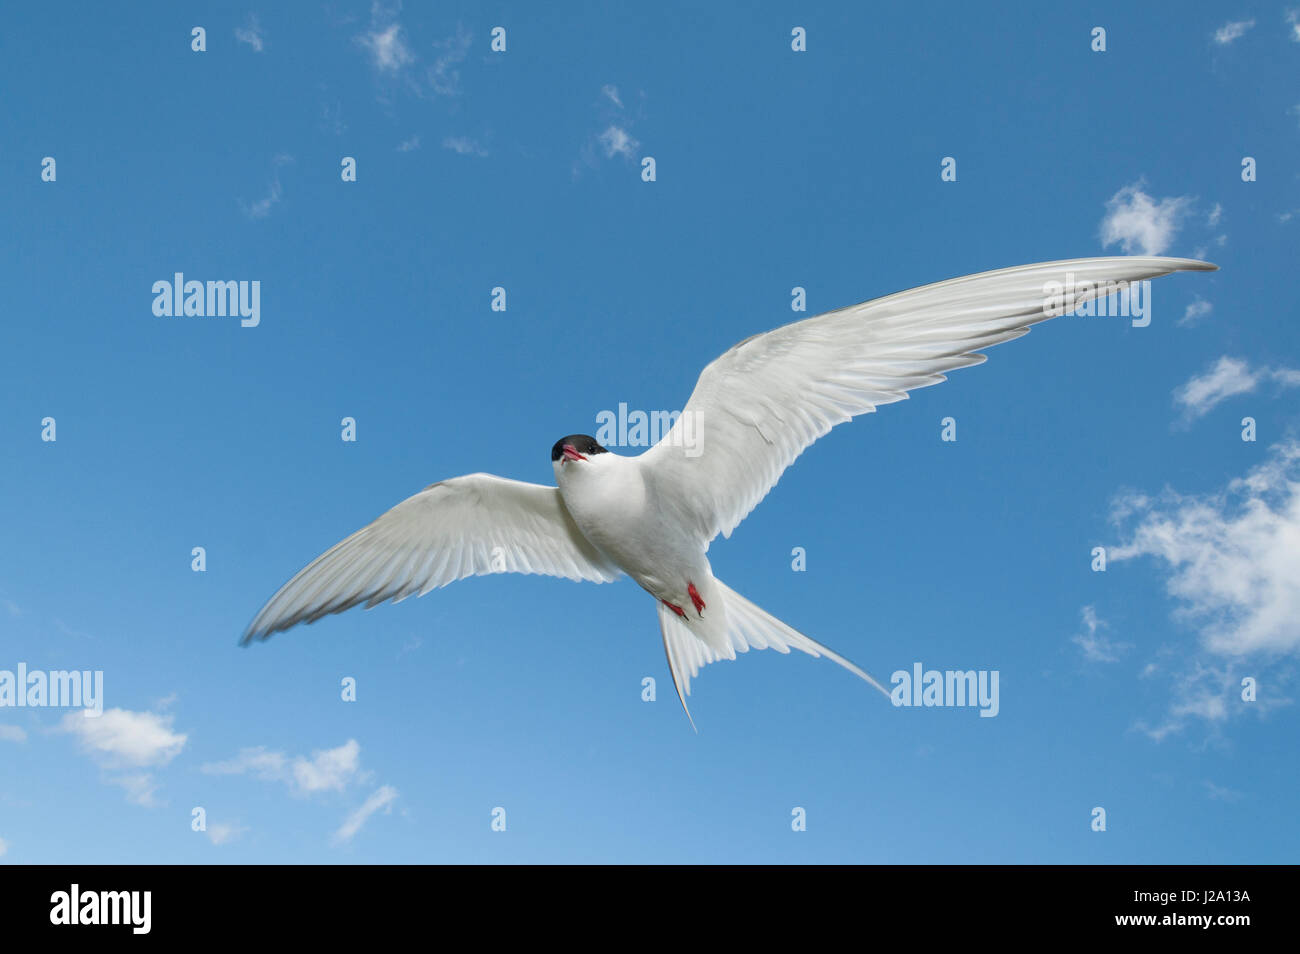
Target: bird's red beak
[{"x": 571, "y": 453}]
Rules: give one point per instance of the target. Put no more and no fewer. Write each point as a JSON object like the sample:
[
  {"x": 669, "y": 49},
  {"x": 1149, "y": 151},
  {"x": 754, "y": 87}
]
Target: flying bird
[{"x": 653, "y": 516}]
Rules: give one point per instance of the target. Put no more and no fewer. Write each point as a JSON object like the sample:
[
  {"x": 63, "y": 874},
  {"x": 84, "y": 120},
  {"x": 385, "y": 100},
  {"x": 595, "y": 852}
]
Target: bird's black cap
[{"x": 583, "y": 443}]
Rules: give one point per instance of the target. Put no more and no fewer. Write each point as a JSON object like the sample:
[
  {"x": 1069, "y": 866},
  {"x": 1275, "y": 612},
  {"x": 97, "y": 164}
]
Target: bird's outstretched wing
[
  {"x": 757, "y": 407},
  {"x": 466, "y": 526}
]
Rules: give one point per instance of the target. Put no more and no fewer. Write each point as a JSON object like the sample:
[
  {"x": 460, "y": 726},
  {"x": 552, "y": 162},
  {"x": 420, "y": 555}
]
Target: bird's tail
[{"x": 746, "y": 626}]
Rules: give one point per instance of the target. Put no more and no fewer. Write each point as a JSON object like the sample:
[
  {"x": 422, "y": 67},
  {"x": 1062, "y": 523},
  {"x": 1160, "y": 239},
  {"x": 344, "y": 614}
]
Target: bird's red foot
[
  {"x": 674, "y": 607},
  {"x": 695, "y": 598}
]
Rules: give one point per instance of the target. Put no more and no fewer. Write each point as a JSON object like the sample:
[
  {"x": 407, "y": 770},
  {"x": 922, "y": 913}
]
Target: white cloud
[
  {"x": 1215, "y": 215},
  {"x": 326, "y": 770},
  {"x": 1227, "y": 378},
  {"x": 257, "y": 761},
  {"x": 12, "y": 733},
  {"x": 387, "y": 47},
  {"x": 332, "y": 118},
  {"x": 1138, "y": 222},
  {"x": 251, "y": 34},
  {"x": 1200, "y": 691},
  {"x": 409, "y": 145},
  {"x": 392, "y": 55},
  {"x": 1293, "y": 21},
  {"x": 1221, "y": 793},
  {"x": 4, "y": 847},
  {"x": 464, "y": 145},
  {"x": 444, "y": 76},
  {"x": 1232, "y": 31},
  {"x": 1198, "y": 309},
  {"x": 382, "y": 798},
  {"x": 123, "y": 737},
  {"x": 1096, "y": 646},
  {"x": 141, "y": 788},
  {"x": 330, "y": 769},
  {"x": 223, "y": 833},
  {"x": 1203, "y": 392},
  {"x": 67, "y": 630},
  {"x": 615, "y": 139},
  {"x": 262, "y": 207},
  {"x": 1230, "y": 559},
  {"x": 617, "y": 142}
]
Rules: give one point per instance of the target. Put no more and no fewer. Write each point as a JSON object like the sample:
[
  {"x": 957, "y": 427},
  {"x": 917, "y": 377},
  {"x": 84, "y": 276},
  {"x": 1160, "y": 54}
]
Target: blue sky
[{"x": 523, "y": 169}]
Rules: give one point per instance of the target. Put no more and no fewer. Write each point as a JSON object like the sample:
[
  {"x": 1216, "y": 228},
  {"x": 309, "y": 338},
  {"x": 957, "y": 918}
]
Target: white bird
[{"x": 653, "y": 516}]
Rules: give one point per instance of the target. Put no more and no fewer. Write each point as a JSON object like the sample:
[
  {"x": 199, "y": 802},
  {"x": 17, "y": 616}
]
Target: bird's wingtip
[{"x": 1188, "y": 264}]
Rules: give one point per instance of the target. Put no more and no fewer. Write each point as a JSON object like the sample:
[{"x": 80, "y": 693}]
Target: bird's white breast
[{"x": 613, "y": 507}]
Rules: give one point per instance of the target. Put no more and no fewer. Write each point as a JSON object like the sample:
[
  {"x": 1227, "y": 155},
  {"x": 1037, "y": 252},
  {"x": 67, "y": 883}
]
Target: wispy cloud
[
  {"x": 141, "y": 788},
  {"x": 1140, "y": 223},
  {"x": 409, "y": 145},
  {"x": 1199, "y": 308},
  {"x": 616, "y": 141},
  {"x": 1232, "y": 31},
  {"x": 1227, "y": 378},
  {"x": 1221, "y": 793},
  {"x": 615, "y": 138},
  {"x": 251, "y": 34},
  {"x": 127, "y": 743},
  {"x": 326, "y": 769},
  {"x": 67, "y": 630},
  {"x": 222, "y": 833},
  {"x": 382, "y": 798},
  {"x": 387, "y": 48},
  {"x": 12, "y": 733},
  {"x": 444, "y": 74},
  {"x": 126, "y": 737},
  {"x": 1096, "y": 645},
  {"x": 1230, "y": 557},
  {"x": 1293, "y": 21},
  {"x": 4, "y": 847},
  {"x": 262, "y": 207},
  {"x": 1206, "y": 693},
  {"x": 396, "y": 61},
  {"x": 464, "y": 145},
  {"x": 331, "y": 118}
]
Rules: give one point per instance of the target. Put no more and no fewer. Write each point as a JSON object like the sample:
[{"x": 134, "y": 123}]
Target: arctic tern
[{"x": 653, "y": 516}]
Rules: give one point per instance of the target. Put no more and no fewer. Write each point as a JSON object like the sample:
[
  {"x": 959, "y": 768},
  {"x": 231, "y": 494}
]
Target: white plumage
[{"x": 753, "y": 411}]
